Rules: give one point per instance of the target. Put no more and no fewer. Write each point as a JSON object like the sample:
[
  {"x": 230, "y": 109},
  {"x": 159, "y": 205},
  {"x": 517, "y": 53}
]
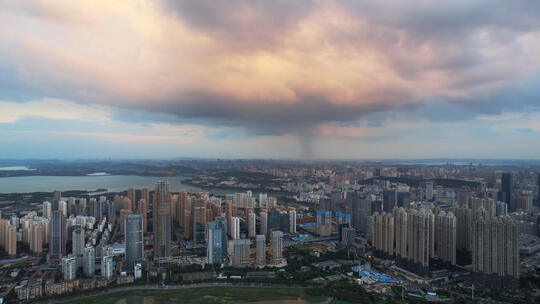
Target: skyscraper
[
  {"x": 495, "y": 251},
  {"x": 445, "y": 237},
  {"x": 214, "y": 246},
  {"x": 263, "y": 229},
  {"x": 429, "y": 191},
  {"x": 464, "y": 217},
  {"x": 132, "y": 196},
  {"x": 383, "y": 233},
  {"x": 124, "y": 213},
  {"x": 62, "y": 207},
  {"x": 251, "y": 223},
  {"x": 58, "y": 237},
  {"x": 57, "y": 195},
  {"x": 47, "y": 209},
  {"x": 89, "y": 261},
  {"x": 389, "y": 200},
  {"x": 414, "y": 233},
  {"x": 145, "y": 195},
  {"x": 263, "y": 199},
  {"x": 174, "y": 208},
  {"x": 95, "y": 209},
  {"x": 107, "y": 266},
  {"x": 241, "y": 252},
  {"x": 501, "y": 208},
  {"x": 400, "y": 233},
  {"x": 230, "y": 212},
  {"x": 487, "y": 204},
  {"x": 464, "y": 196},
  {"x": 420, "y": 238},
  {"x": 324, "y": 223},
  {"x": 365, "y": 211},
  {"x": 260, "y": 247},
  {"x": 235, "y": 228},
  {"x": 277, "y": 246},
  {"x": 292, "y": 220},
  {"x": 187, "y": 224},
  {"x": 347, "y": 236},
  {"x": 142, "y": 209},
  {"x": 69, "y": 268},
  {"x": 222, "y": 222},
  {"x": 78, "y": 242},
  {"x": 134, "y": 239},
  {"x": 36, "y": 240},
  {"x": 162, "y": 222},
  {"x": 183, "y": 206},
  {"x": 11, "y": 240},
  {"x": 507, "y": 188},
  {"x": 199, "y": 222}
]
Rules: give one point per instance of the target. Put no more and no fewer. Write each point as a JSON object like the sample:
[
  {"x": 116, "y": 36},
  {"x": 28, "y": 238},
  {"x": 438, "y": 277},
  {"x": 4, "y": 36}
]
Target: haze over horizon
[{"x": 270, "y": 79}]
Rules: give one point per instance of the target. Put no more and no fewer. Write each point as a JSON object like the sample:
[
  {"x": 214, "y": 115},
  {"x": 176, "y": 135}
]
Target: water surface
[{"x": 113, "y": 183}]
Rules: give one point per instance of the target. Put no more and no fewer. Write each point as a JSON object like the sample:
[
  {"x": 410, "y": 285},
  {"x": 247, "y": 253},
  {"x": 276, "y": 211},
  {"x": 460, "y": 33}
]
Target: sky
[{"x": 270, "y": 79}]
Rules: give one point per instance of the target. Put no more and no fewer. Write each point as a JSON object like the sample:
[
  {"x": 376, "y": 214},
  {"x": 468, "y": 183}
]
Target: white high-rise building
[
  {"x": 260, "y": 247},
  {"x": 252, "y": 225},
  {"x": 501, "y": 208},
  {"x": 241, "y": 252},
  {"x": 292, "y": 221},
  {"x": 277, "y": 246},
  {"x": 47, "y": 209},
  {"x": 89, "y": 261},
  {"x": 263, "y": 199},
  {"x": 271, "y": 202},
  {"x": 15, "y": 221},
  {"x": 69, "y": 268},
  {"x": 383, "y": 232},
  {"x": 235, "y": 228},
  {"x": 137, "y": 270},
  {"x": 107, "y": 267},
  {"x": 62, "y": 206}
]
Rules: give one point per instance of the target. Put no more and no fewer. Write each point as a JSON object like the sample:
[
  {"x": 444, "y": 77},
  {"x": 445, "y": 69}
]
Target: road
[{"x": 171, "y": 287}]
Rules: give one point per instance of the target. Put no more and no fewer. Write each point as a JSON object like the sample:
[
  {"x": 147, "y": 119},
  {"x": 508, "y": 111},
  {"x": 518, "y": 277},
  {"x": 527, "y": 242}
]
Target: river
[{"x": 113, "y": 183}]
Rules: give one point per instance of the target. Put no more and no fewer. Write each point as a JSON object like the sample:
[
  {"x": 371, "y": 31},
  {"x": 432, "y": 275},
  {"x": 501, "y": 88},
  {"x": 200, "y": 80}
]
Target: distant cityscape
[
  {"x": 269, "y": 152},
  {"x": 442, "y": 232}
]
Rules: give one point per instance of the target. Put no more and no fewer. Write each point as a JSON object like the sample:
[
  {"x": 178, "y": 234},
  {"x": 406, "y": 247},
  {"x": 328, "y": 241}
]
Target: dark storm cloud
[
  {"x": 266, "y": 118},
  {"x": 250, "y": 24},
  {"x": 373, "y": 60}
]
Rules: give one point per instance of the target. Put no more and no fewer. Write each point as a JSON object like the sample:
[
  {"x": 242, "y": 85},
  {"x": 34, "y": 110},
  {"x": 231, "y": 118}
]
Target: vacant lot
[{"x": 196, "y": 295}]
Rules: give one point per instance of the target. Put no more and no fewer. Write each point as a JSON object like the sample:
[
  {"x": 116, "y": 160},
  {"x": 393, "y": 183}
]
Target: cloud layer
[{"x": 274, "y": 68}]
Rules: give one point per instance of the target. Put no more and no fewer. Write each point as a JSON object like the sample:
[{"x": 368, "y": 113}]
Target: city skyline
[
  {"x": 473, "y": 227},
  {"x": 279, "y": 79},
  {"x": 270, "y": 151}
]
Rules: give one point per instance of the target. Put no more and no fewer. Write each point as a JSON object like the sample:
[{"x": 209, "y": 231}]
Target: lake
[
  {"x": 16, "y": 168},
  {"x": 113, "y": 183}
]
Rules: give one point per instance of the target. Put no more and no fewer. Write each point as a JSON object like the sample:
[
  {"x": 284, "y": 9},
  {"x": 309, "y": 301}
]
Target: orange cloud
[{"x": 136, "y": 54}]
